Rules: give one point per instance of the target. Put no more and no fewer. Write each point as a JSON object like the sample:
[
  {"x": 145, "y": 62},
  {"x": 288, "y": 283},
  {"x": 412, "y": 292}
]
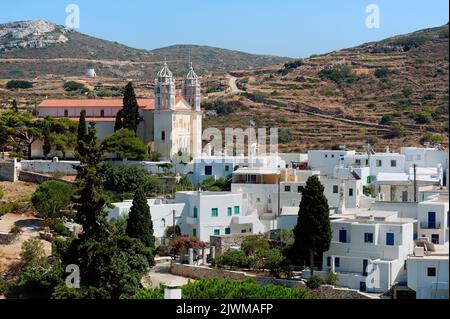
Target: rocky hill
[
  {"x": 389, "y": 93},
  {"x": 32, "y": 48}
]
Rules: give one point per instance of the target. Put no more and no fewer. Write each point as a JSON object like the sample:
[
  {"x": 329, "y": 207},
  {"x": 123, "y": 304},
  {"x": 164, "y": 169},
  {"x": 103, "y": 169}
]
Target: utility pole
[{"x": 415, "y": 183}]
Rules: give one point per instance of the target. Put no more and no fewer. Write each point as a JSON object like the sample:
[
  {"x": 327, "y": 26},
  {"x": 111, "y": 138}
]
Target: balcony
[
  {"x": 191, "y": 221},
  {"x": 427, "y": 225}
]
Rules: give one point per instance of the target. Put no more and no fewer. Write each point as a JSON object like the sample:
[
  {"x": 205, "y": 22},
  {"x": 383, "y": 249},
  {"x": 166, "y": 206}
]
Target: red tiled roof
[
  {"x": 93, "y": 103},
  {"x": 93, "y": 119}
]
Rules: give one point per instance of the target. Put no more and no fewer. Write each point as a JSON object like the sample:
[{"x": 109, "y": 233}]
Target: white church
[{"x": 170, "y": 123}]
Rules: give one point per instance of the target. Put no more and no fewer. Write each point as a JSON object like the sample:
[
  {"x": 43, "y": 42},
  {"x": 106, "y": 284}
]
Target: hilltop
[
  {"x": 389, "y": 93},
  {"x": 35, "y": 48}
]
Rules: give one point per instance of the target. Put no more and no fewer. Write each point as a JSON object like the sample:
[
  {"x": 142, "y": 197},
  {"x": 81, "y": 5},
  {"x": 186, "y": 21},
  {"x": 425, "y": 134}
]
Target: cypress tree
[
  {"x": 82, "y": 135},
  {"x": 130, "y": 109},
  {"x": 118, "y": 125},
  {"x": 140, "y": 223},
  {"x": 313, "y": 230}
]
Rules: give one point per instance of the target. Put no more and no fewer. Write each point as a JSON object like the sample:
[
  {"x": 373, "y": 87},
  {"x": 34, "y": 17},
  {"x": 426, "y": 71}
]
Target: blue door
[
  {"x": 389, "y": 239},
  {"x": 342, "y": 236},
  {"x": 365, "y": 264},
  {"x": 362, "y": 286},
  {"x": 431, "y": 220}
]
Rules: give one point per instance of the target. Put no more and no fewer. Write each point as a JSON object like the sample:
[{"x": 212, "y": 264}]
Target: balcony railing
[{"x": 427, "y": 225}]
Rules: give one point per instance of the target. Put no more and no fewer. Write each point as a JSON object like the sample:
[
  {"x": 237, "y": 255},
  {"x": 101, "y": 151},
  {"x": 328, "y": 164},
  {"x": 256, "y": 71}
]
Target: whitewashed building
[
  {"x": 428, "y": 272},
  {"x": 369, "y": 250},
  {"x": 433, "y": 219}
]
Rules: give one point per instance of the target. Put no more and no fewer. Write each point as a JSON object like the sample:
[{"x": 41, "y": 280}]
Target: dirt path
[
  {"x": 232, "y": 83},
  {"x": 160, "y": 274}
]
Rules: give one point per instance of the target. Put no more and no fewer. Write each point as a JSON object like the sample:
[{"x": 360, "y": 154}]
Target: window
[
  {"x": 343, "y": 236},
  {"x": 102, "y": 113},
  {"x": 230, "y": 211},
  {"x": 227, "y": 168},
  {"x": 368, "y": 238},
  {"x": 243, "y": 231},
  {"x": 194, "y": 232},
  {"x": 227, "y": 231},
  {"x": 393, "y": 163},
  {"x": 350, "y": 192},
  {"x": 358, "y": 162},
  {"x": 435, "y": 239},
  {"x": 431, "y": 272},
  {"x": 195, "y": 212},
  {"x": 215, "y": 212},
  {"x": 362, "y": 286},
  {"x": 326, "y": 155},
  {"x": 158, "y": 90},
  {"x": 367, "y": 162},
  {"x": 300, "y": 189},
  {"x": 163, "y": 136},
  {"x": 335, "y": 189},
  {"x": 287, "y": 188},
  {"x": 163, "y": 223},
  {"x": 379, "y": 163},
  {"x": 328, "y": 261},
  {"x": 237, "y": 210},
  {"x": 337, "y": 262},
  {"x": 66, "y": 113},
  {"x": 389, "y": 239},
  {"x": 251, "y": 179},
  {"x": 216, "y": 232},
  {"x": 332, "y": 156},
  {"x": 208, "y": 170}
]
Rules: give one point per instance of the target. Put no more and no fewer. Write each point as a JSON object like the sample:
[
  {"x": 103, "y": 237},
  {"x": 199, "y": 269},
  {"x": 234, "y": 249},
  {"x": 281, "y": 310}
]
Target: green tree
[
  {"x": 140, "y": 223},
  {"x": 51, "y": 197},
  {"x": 14, "y": 106},
  {"x": 126, "y": 144},
  {"x": 81, "y": 134},
  {"x": 47, "y": 147},
  {"x": 313, "y": 230},
  {"x": 118, "y": 125},
  {"x": 130, "y": 109},
  {"x": 18, "y": 84},
  {"x": 33, "y": 253}
]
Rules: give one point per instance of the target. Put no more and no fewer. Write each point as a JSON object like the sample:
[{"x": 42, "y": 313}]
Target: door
[
  {"x": 435, "y": 239},
  {"x": 431, "y": 220},
  {"x": 389, "y": 239},
  {"x": 362, "y": 286},
  {"x": 343, "y": 236},
  {"x": 404, "y": 196},
  {"x": 365, "y": 264}
]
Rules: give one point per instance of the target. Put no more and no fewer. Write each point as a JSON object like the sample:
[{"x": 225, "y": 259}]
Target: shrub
[
  {"x": 315, "y": 282},
  {"x": 245, "y": 289},
  {"x": 382, "y": 72},
  {"x": 2, "y": 193},
  {"x": 252, "y": 244},
  {"x": 222, "y": 107},
  {"x": 149, "y": 294},
  {"x": 182, "y": 244},
  {"x": 73, "y": 86},
  {"x": 123, "y": 179},
  {"x": 338, "y": 74},
  {"x": 51, "y": 197},
  {"x": 17, "y": 84},
  {"x": 219, "y": 185},
  {"x": 332, "y": 278},
  {"x": 15, "y": 230},
  {"x": 126, "y": 144},
  {"x": 285, "y": 136},
  {"x": 61, "y": 229},
  {"x": 397, "y": 130},
  {"x": 386, "y": 119},
  {"x": 432, "y": 138},
  {"x": 423, "y": 118},
  {"x": 407, "y": 92},
  {"x": 32, "y": 253},
  {"x": 232, "y": 259}
]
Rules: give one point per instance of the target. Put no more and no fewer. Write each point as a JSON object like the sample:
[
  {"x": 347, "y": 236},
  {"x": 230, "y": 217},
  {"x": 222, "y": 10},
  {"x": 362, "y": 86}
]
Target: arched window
[{"x": 163, "y": 223}]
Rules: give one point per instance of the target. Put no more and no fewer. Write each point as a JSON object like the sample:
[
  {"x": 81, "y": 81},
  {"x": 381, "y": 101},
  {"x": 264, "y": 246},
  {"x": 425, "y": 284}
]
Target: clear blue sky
[{"x": 295, "y": 28}]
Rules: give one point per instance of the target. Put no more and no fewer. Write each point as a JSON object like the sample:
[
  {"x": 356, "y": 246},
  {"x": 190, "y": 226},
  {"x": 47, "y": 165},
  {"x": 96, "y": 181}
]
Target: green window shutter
[
  {"x": 214, "y": 212},
  {"x": 195, "y": 212},
  {"x": 230, "y": 211},
  {"x": 194, "y": 232},
  {"x": 216, "y": 232},
  {"x": 237, "y": 210},
  {"x": 227, "y": 231}
]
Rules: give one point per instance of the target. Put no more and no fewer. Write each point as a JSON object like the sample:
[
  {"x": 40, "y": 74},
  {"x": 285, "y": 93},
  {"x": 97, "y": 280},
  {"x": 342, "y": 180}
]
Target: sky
[{"x": 293, "y": 28}]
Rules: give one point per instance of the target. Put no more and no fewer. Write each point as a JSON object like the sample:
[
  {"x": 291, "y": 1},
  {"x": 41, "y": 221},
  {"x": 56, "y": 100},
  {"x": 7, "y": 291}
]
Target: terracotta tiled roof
[
  {"x": 93, "y": 103},
  {"x": 93, "y": 119}
]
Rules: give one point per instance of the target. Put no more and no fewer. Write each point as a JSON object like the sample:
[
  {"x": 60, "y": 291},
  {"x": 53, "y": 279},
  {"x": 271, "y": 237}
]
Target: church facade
[{"x": 170, "y": 123}]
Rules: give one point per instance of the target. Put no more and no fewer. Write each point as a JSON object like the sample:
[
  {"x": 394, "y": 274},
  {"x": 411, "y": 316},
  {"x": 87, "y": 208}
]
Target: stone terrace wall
[
  {"x": 39, "y": 178},
  {"x": 8, "y": 171},
  {"x": 324, "y": 292},
  {"x": 6, "y": 239}
]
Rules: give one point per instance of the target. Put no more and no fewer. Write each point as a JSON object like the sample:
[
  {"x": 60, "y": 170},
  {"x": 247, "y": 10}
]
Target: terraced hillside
[{"x": 390, "y": 93}]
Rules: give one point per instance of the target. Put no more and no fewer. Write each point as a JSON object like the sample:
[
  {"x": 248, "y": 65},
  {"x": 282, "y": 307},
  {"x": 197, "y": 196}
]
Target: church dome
[
  {"x": 165, "y": 72},
  {"x": 191, "y": 74}
]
